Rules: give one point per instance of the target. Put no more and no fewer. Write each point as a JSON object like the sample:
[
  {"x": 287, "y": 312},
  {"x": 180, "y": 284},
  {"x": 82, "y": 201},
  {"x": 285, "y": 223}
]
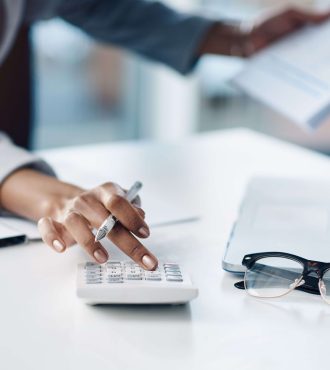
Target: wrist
[{"x": 33, "y": 195}]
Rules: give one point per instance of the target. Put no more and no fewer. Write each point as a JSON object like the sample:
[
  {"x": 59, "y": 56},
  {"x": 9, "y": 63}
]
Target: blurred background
[{"x": 89, "y": 93}]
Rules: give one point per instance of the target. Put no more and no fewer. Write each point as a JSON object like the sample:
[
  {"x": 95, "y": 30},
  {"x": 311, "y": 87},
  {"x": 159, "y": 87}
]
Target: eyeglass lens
[
  {"x": 272, "y": 277},
  {"x": 325, "y": 286}
]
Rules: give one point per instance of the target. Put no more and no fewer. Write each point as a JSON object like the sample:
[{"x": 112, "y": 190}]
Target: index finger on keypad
[{"x": 126, "y": 242}]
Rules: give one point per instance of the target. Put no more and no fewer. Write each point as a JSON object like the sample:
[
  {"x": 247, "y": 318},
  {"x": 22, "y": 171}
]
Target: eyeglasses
[{"x": 275, "y": 274}]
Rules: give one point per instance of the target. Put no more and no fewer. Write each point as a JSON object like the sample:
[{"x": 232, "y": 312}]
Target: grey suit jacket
[{"x": 145, "y": 27}]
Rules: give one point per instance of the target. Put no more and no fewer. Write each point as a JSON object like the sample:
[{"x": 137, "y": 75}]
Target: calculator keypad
[{"x": 114, "y": 272}]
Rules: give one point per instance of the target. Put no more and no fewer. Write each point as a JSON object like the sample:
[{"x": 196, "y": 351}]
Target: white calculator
[{"x": 125, "y": 282}]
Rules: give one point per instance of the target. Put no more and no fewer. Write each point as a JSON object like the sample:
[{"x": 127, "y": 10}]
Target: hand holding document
[{"x": 293, "y": 76}]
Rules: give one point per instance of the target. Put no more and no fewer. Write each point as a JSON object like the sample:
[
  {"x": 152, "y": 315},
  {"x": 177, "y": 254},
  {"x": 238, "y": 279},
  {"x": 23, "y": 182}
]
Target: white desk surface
[{"x": 43, "y": 326}]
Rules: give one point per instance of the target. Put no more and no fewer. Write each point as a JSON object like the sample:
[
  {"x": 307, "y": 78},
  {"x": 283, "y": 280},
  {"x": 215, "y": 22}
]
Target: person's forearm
[
  {"x": 33, "y": 195},
  {"x": 148, "y": 28}
]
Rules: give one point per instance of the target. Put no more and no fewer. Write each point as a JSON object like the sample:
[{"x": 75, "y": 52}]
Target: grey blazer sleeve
[
  {"x": 13, "y": 158},
  {"x": 146, "y": 27}
]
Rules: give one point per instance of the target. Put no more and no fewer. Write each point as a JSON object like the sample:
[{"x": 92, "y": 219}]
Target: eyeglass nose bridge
[{"x": 313, "y": 268}]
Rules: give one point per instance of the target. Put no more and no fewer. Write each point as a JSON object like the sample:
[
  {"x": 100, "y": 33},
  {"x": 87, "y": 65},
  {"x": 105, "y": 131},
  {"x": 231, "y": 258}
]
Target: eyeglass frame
[{"x": 310, "y": 284}]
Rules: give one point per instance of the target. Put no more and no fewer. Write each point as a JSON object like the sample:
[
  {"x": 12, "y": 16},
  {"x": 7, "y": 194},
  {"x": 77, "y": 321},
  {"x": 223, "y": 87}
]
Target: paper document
[
  {"x": 9, "y": 235},
  {"x": 22, "y": 226},
  {"x": 293, "y": 76}
]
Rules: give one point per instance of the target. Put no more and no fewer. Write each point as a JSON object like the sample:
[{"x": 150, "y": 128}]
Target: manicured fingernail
[
  {"x": 59, "y": 247},
  {"x": 148, "y": 262},
  {"x": 100, "y": 256},
  {"x": 144, "y": 231}
]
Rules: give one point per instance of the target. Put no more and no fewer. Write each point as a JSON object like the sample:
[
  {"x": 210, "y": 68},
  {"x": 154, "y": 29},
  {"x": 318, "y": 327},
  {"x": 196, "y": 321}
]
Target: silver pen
[{"x": 111, "y": 221}]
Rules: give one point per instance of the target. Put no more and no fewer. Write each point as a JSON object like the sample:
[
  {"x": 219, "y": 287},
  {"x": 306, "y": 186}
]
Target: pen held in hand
[{"x": 111, "y": 221}]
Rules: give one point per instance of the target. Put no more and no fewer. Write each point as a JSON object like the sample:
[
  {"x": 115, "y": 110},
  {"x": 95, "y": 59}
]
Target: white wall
[{"x": 168, "y": 102}]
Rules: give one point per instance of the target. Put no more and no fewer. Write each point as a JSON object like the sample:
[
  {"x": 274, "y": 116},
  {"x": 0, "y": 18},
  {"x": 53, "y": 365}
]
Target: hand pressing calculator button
[{"x": 124, "y": 282}]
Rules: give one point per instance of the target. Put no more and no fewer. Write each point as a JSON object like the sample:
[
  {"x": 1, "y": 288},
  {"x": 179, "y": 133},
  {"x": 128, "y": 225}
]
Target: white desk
[{"x": 43, "y": 326}]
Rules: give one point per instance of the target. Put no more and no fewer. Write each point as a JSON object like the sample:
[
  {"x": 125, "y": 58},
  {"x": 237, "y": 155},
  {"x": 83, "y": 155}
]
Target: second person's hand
[{"x": 245, "y": 39}]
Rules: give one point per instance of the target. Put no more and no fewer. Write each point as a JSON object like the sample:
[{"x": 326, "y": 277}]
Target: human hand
[
  {"x": 72, "y": 220},
  {"x": 245, "y": 40}
]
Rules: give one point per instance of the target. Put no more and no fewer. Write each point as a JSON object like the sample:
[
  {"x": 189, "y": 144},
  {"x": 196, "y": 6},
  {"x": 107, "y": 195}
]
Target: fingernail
[
  {"x": 148, "y": 262},
  {"x": 144, "y": 231},
  {"x": 100, "y": 256},
  {"x": 59, "y": 247}
]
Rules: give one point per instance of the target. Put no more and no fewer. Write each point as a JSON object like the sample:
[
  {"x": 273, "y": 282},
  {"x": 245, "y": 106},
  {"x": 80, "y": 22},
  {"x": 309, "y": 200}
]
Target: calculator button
[
  {"x": 93, "y": 281},
  {"x": 113, "y": 265},
  {"x": 133, "y": 273},
  {"x": 91, "y": 277},
  {"x": 133, "y": 277},
  {"x": 92, "y": 264},
  {"x": 109, "y": 272},
  {"x": 96, "y": 279},
  {"x": 170, "y": 273},
  {"x": 114, "y": 272},
  {"x": 152, "y": 274},
  {"x": 93, "y": 268},
  {"x": 114, "y": 276},
  {"x": 171, "y": 265},
  {"x": 114, "y": 268},
  {"x": 173, "y": 273},
  {"x": 172, "y": 269},
  {"x": 131, "y": 265},
  {"x": 174, "y": 278},
  {"x": 153, "y": 278},
  {"x": 93, "y": 272},
  {"x": 115, "y": 281},
  {"x": 132, "y": 268}
]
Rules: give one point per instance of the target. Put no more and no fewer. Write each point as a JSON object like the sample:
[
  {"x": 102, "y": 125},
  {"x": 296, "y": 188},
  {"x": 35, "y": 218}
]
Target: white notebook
[{"x": 293, "y": 76}]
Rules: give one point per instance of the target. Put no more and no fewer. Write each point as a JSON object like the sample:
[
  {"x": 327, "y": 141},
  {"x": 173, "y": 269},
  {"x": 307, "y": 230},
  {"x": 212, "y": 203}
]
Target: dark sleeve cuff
[{"x": 13, "y": 158}]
